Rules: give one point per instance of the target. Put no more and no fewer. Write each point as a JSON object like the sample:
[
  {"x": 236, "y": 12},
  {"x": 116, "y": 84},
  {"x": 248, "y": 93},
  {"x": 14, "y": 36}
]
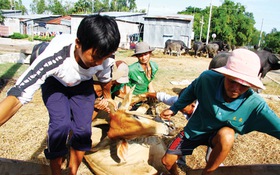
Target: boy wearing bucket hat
[
  {"x": 142, "y": 72},
  {"x": 227, "y": 106}
]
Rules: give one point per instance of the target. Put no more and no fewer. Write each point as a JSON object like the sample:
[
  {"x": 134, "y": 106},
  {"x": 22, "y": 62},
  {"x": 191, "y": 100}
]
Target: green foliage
[
  {"x": 56, "y": 7},
  {"x": 38, "y": 6},
  {"x": 20, "y": 6},
  {"x": 2, "y": 18},
  {"x": 43, "y": 38},
  {"x": 5, "y": 4},
  {"x": 18, "y": 36},
  {"x": 86, "y": 6},
  {"x": 230, "y": 22},
  {"x": 272, "y": 41},
  {"x": 83, "y": 6}
]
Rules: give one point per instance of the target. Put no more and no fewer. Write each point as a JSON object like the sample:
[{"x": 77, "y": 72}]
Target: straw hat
[
  {"x": 142, "y": 47},
  {"x": 244, "y": 66},
  {"x": 120, "y": 72}
]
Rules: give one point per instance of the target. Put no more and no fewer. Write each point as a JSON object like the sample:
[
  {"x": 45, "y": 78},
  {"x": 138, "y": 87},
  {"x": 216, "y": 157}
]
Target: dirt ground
[{"x": 24, "y": 136}]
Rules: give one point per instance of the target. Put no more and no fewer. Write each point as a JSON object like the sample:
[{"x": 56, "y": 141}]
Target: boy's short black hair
[{"x": 100, "y": 33}]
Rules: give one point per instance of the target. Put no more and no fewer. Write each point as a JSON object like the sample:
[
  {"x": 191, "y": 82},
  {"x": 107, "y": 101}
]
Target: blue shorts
[
  {"x": 183, "y": 146},
  {"x": 70, "y": 110}
]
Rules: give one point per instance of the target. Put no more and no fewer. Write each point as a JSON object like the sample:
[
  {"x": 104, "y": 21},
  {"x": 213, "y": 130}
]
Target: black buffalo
[
  {"x": 212, "y": 50},
  {"x": 37, "y": 50},
  {"x": 269, "y": 61},
  {"x": 174, "y": 47},
  {"x": 198, "y": 47},
  {"x": 223, "y": 46},
  {"x": 169, "y": 41}
]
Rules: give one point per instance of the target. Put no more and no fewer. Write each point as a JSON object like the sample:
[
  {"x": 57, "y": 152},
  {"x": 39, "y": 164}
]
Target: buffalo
[
  {"x": 212, "y": 50},
  {"x": 198, "y": 47},
  {"x": 174, "y": 47},
  {"x": 179, "y": 42},
  {"x": 223, "y": 46},
  {"x": 269, "y": 61}
]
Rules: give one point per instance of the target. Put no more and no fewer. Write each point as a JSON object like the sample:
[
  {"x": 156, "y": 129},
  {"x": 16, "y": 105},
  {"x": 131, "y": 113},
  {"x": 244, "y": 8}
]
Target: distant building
[
  {"x": 59, "y": 25},
  {"x": 134, "y": 27},
  {"x": 158, "y": 29},
  {"x": 27, "y": 24},
  {"x": 12, "y": 25}
]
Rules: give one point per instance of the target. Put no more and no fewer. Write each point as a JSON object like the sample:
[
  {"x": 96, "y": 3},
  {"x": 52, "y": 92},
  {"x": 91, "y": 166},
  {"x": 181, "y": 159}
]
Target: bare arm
[
  {"x": 106, "y": 88},
  {"x": 151, "y": 87},
  {"x": 8, "y": 107}
]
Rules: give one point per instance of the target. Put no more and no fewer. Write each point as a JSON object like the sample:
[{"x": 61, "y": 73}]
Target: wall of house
[
  {"x": 158, "y": 30},
  {"x": 126, "y": 29},
  {"x": 61, "y": 29},
  {"x": 75, "y": 22},
  {"x": 13, "y": 24}
]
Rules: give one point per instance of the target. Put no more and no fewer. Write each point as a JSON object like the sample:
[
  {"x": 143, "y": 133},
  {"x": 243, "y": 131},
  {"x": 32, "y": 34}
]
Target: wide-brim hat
[
  {"x": 142, "y": 47},
  {"x": 120, "y": 72},
  {"x": 244, "y": 66}
]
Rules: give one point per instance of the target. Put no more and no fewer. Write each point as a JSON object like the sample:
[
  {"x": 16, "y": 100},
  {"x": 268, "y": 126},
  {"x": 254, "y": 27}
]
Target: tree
[
  {"x": 83, "y": 6},
  {"x": 20, "y": 6},
  {"x": 272, "y": 41},
  {"x": 5, "y": 4},
  {"x": 38, "y": 6},
  {"x": 230, "y": 22},
  {"x": 56, "y": 7}
]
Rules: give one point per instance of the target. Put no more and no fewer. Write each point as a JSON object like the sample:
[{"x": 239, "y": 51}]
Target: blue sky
[{"x": 266, "y": 12}]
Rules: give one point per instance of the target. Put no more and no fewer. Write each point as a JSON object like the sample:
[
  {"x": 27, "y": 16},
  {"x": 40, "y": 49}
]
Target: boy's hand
[
  {"x": 151, "y": 95},
  {"x": 166, "y": 114},
  {"x": 103, "y": 104}
]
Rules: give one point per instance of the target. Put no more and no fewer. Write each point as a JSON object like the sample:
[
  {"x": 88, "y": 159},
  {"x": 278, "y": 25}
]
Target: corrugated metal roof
[
  {"x": 114, "y": 14},
  {"x": 58, "y": 20},
  {"x": 34, "y": 16},
  {"x": 177, "y": 17},
  {"x": 121, "y": 14}
]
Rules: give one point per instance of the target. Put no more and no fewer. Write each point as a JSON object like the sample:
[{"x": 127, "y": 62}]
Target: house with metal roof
[
  {"x": 134, "y": 27},
  {"x": 154, "y": 30},
  {"x": 158, "y": 29},
  {"x": 27, "y": 24}
]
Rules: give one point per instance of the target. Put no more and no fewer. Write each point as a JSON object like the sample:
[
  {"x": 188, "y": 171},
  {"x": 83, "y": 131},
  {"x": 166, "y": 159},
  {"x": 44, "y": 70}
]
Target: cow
[
  {"x": 125, "y": 124},
  {"x": 131, "y": 144},
  {"x": 269, "y": 61},
  {"x": 198, "y": 47},
  {"x": 169, "y": 41},
  {"x": 212, "y": 50},
  {"x": 37, "y": 50}
]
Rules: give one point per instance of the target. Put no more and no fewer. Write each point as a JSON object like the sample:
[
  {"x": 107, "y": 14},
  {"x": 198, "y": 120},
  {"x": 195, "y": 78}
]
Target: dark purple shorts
[
  {"x": 183, "y": 146},
  {"x": 70, "y": 111}
]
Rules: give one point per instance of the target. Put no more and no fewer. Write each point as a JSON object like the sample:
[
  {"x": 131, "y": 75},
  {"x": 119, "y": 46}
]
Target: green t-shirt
[
  {"x": 138, "y": 77},
  {"x": 247, "y": 113}
]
